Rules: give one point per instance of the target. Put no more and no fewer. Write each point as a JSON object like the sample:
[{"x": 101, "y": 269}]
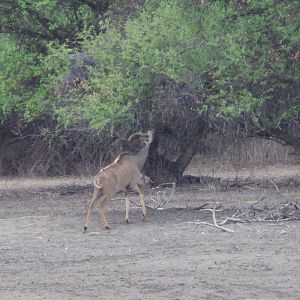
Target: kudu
[{"x": 124, "y": 172}]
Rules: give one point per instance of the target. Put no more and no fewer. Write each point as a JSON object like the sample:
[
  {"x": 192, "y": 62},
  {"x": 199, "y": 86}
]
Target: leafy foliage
[
  {"x": 28, "y": 80},
  {"x": 69, "y": 62},
  {"x": 35, "y": 23},
  {"x": 129, "y": 62},
  {"x": 246, "y": 55},
  {"x": 246, "y": 58},
  {"x": 259, "y": 72}
]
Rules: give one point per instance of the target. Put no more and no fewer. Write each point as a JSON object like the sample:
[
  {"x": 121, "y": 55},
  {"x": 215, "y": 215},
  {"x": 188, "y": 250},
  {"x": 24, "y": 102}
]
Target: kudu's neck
[{"x": 141, "y": 157}]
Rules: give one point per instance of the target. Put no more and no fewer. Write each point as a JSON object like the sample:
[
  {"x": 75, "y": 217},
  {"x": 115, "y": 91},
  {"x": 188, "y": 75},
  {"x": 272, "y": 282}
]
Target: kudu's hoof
[
  {"x": 107, "y": 227},
  {"x": 84, "y": 229}
]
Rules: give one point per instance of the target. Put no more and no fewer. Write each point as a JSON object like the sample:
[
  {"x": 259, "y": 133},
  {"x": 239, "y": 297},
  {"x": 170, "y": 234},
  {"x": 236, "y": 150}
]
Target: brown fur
[{"x": 114, "y": 178}]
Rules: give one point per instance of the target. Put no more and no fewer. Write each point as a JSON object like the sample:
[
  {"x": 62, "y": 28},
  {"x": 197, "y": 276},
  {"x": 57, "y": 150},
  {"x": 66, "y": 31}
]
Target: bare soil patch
[{"x": 45, "y": 255}]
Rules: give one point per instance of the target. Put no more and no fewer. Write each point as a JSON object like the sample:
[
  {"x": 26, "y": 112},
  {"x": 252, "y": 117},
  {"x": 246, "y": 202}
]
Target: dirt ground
[{"x": 45, "y": 255}]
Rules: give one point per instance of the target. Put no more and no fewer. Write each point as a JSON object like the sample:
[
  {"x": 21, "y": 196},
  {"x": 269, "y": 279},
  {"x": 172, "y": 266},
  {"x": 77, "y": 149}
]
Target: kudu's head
[{"x": 144, "y": 139}]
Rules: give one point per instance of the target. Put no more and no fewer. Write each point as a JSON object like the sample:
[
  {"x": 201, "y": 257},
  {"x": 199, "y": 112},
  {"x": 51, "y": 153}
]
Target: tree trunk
[
  {"x": 162, "y": 170},
  {"x": 179, "y": 129},
  {"x": 170, "y": 154}
]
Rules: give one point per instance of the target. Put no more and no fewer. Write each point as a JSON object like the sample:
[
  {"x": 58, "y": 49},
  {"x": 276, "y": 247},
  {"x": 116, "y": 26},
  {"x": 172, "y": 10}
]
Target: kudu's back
[{"x": 119, "y": 175}]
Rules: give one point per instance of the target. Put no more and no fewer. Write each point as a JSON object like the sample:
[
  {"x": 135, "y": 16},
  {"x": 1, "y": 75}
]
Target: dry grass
[
  {"x": 18, "y": 183},
  {"x": 247, "y": 153},
  {"x": 256, "y": 158},
  {"x": 251, "y": 160}
]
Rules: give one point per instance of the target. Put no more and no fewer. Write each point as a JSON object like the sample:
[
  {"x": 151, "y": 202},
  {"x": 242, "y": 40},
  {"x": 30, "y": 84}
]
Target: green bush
[
  {"x": 28, "y": 80},
  {"x": 249, "y": 49},
  {"x": 243, "y": 55}
]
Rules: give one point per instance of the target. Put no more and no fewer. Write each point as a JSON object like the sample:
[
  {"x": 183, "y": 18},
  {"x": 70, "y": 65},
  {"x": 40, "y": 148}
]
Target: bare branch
[
  {"x": 164, "y": 195},
  {"x": 213, "y": 210}
]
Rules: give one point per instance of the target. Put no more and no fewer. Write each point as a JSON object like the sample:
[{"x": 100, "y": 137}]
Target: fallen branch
[
  {"x": 215, "y": 224},
  {"x": 209, "y": 224},
  {"x": 163, "y": 196},
  {"x": 233, "y": 220},
  {"x": 260, "y": 211}
]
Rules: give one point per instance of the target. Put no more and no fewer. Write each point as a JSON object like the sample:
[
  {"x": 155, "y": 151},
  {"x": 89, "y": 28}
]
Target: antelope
[{"x": 124, "y": 172}]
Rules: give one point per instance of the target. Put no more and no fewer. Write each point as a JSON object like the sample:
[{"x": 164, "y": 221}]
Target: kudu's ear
[
  {"x": 135, "y": 136},
  {"x": 151, "y": 132}
]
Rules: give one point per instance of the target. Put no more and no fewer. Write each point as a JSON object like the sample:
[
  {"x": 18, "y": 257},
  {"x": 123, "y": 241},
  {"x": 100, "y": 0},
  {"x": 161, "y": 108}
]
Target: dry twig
[
  {"x": 260, "y": 211},
  {"x": 163, "y": 196},
  {"x": 215, "y": 224}
]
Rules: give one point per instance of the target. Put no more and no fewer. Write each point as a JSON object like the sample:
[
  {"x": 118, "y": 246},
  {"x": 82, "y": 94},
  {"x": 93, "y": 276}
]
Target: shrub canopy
[{"x": 91, "y": 65}]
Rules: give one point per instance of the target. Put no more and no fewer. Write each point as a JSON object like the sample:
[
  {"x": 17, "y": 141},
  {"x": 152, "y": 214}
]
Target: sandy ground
[{"x": 45, "y": 255}]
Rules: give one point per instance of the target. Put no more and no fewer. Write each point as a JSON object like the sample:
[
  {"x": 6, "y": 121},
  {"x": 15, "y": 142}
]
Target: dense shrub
[{"x": 238, "y": 60}]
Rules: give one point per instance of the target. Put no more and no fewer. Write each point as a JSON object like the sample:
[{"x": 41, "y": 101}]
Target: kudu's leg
[
  {"x": 95, "y": 196},
  {"x": 141, "y": 195},
  {"x": 102, "y": 207},
  {"x": 127, "y": 201},
  {"x": 127, "y": 205}
]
